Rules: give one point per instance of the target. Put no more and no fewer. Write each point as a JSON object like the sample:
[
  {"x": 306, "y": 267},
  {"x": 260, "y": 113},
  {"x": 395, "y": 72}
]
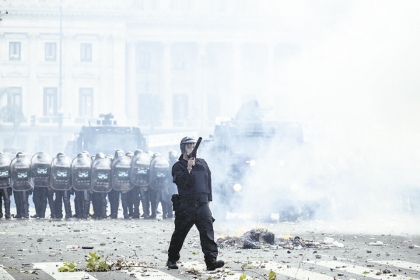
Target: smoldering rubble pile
[{"x": 262, "y": 238}]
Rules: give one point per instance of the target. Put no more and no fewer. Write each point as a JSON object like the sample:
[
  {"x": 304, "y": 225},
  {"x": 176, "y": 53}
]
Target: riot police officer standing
[
  {"x": 20, "y": 169},
  {"x": 193, "y": 179},
  {"x": 61, "y": 183},
  {"x": 41, "y": 181},
  {"x": 5, "y": 190}
]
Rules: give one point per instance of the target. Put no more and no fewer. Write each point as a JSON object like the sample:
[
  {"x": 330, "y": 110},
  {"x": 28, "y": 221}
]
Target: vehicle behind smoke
[
  {"x": 258, "y": 166},
  {"x": 106, "y": 137}
]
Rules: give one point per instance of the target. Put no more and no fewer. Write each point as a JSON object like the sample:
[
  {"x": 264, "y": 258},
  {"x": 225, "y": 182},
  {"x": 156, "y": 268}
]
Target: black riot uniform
[
  {"x": 135, "y": 193},
  {"x": 81, "y": 176},
  {"x": 101, "y": 184},
  {"x": 159, "y": 182},
  {"x": 120, "y": 173},
  {"x": 172, "y": 189},
  {"x": 5, "y": 189},
  {"x": 41, "y": 181},
  {"x": 140, "y": 177},
  {"x": 192, "y": 208},
  {"x": 61, "y": 183},
  {"x": 20, "y": 179}
]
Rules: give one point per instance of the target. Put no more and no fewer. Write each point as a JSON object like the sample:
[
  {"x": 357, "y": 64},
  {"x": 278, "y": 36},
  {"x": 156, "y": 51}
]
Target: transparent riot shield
[
  {"x": 60, "y": 173},
  {"x": 41, "y": 170},
  {"x": 121, "y": 168},
  {"x": 20, "y": 169},
  {"x": 81, "y": 172},
  {"x": 4, "y": 171},
  {"x": 140, "y": 169},
  {"x": 159, "y": 173},
  {"x": 101, "y": 175}
]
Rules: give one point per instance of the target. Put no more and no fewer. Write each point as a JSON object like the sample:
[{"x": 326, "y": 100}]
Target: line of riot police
[{"x": 133, "y": 178}]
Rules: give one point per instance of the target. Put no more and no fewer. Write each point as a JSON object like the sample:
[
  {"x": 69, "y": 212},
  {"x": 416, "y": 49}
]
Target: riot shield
[
  {"x": 101, "y": 175},
  {"x": 159, "y": 173},
  {"x": 140, "y": 169},
  {"x": 41, "y": 170},
  {"x": 60, "y": 173},
  {"x": 121, "y": 173},
  {"x": 4, "y": 171},
  {"x": 20, "y": 169},
  {"x": 80, "y": 172}
]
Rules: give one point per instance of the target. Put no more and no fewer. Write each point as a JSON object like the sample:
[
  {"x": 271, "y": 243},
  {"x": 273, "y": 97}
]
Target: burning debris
[{"x": 262, "y": 238}]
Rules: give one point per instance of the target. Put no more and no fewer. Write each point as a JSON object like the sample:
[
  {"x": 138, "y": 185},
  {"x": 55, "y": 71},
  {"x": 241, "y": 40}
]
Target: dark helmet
[
  {"x": 172, "y": 154},
  {"x": 118, "y": 153},
  {"x": 129, "y": 154},
  {"x": 99, "y": 155},
  {"x": 186, "y": 140}
]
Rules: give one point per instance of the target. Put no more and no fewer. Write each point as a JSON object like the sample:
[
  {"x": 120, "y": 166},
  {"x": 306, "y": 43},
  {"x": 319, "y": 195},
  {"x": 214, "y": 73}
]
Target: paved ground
[{"x": 375, "y": 248}]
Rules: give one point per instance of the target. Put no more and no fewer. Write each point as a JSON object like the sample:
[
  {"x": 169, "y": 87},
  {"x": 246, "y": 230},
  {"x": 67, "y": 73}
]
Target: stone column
[
  {"x": 235, "y": 100},
  {"x": 200, "y": 91},
  {"x": 271, "y": 88},
  {"x": 117, "y": 103},
  {"x": 131, "y": 92},
  {"x": 34, "y": 104},
  {"x": 166, "y": 94}
]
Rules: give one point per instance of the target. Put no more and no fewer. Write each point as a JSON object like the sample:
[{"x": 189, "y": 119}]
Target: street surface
[{"x": 378, "y": 248}]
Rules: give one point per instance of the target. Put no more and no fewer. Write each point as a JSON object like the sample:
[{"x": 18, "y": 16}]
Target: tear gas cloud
[
  {"x": 351, "y": 81},
  {"x": 347, "y": 71}
]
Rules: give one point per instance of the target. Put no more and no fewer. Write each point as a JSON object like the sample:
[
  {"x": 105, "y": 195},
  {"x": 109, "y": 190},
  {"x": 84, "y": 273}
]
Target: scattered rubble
[{"x": 263, "y": 239}]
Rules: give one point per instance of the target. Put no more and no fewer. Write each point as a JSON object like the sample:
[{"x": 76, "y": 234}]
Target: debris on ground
[{"x": 262, "y": 238}]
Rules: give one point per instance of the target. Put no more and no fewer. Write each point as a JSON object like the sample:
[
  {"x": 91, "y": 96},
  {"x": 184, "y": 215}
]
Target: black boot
[
  {"x": 171, "y": 265},
  {"x": 215, "y": 264}
]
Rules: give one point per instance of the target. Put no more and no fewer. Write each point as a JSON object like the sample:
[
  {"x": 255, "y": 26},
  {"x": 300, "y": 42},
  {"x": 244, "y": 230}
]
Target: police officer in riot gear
[
  {"x": 5, "y": 189},
  {"x": 172, "y": 189},
  {"x": 120, "y": 170},
  {"x": 100, "y": 184},
  {"x": 41, "y": 181},
  {"x": 20, "y": 169},
  {"x": 136, "y": 180},
  {"x": 159, "y": 182},
  {"x": 81, "y": 176},
  {"x": 61, "y": 183},
  {"x": 193, "y": 179},
  {"x": 140, "y": 176}
]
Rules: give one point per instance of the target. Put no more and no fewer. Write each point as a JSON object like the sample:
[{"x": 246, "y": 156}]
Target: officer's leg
[
  {"x": 36, "y": 200},
  {"x": 154, "y": 202},
  {"x": 136, "y": 202},
  {"x": 18, "y": 203},
  {"x": 86, "y": 204},
  {"x": 184, "y": 220},
  {"x": 59, "y": 204},
  {"x": 6, "y": 196},
  {"x": 67, "y": 205},
  {"x": 51, "y": 202},
  {"x": 204, "y": 225},
  {"x": 145, "y": 201},
  {"x": 103, "y": 205},
  {"x": 78, "y": 204},
  {"x": 125, "y": 204},
  {"x": 1, "y": 203},
  {"x": 43, "y": 194},
  {"x": 113, "y": 197},
  {"x": 25, "y": 204},
  {"x": 130, "y": 203}
]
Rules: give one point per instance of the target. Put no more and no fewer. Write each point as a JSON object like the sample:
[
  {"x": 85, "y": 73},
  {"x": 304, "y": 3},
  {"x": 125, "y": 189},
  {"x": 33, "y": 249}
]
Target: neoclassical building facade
[{"x": 162, "y": 65}]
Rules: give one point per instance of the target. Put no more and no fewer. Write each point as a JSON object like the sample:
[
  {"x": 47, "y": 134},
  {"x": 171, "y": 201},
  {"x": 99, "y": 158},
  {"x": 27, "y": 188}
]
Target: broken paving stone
[{"x": 40, "y": 239}]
